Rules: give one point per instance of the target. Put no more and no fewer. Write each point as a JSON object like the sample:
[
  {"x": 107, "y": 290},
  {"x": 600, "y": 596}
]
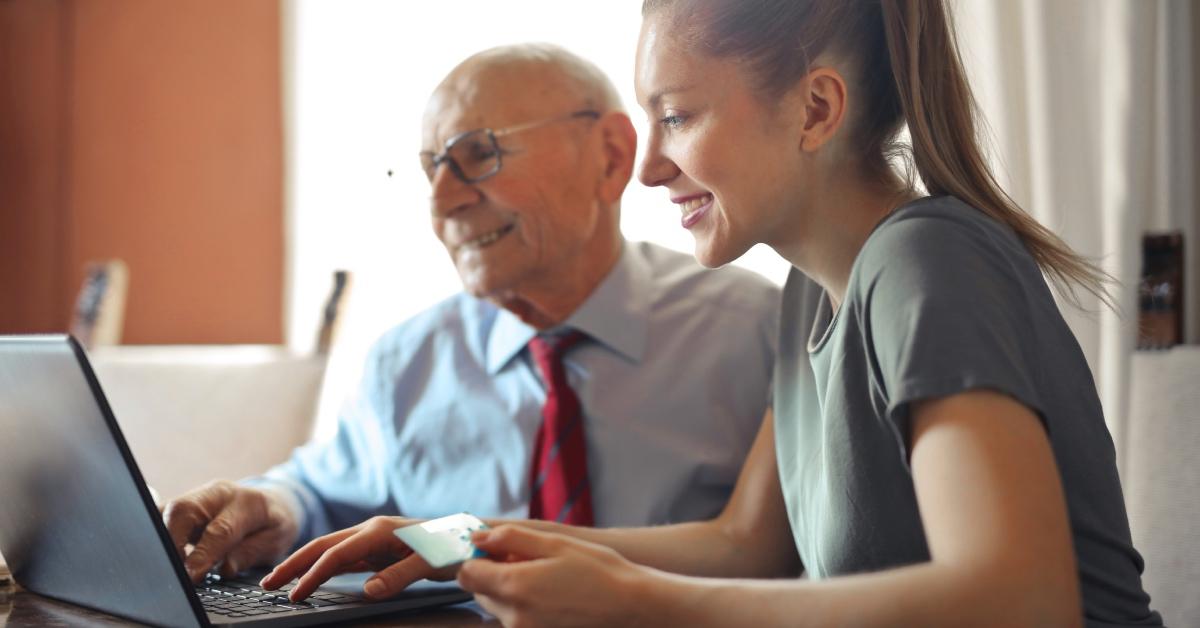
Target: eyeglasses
[{"x": 474, "y": 155}]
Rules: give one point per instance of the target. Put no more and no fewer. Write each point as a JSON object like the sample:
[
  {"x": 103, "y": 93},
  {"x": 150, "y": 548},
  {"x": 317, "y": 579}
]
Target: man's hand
[
  {"x": 368, "y": 546},
  {"x": 237, "y": 526}
]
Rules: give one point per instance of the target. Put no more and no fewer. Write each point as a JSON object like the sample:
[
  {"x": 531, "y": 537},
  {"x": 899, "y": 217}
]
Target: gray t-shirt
[{"x": 942, "y": 299}]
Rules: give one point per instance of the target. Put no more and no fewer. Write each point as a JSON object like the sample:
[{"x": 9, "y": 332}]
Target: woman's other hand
[{"x": 536, "y": 578}]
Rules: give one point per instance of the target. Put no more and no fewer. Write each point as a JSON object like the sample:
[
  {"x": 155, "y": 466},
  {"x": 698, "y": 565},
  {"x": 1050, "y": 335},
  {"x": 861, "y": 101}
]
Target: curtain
[{"x": 1090, "y": 112}]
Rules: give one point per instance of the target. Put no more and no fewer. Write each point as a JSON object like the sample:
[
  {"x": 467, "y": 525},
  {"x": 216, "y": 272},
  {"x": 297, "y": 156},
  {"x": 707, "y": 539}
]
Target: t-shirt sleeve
[{"x": 945, "y": 311}]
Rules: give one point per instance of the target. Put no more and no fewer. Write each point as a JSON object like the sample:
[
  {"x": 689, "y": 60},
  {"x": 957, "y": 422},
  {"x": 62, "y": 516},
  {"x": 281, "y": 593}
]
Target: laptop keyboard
[{"x": 244, "y": 598}]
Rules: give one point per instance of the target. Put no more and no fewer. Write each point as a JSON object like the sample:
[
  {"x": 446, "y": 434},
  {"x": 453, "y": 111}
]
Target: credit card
[{"x": 444, "y": 541}]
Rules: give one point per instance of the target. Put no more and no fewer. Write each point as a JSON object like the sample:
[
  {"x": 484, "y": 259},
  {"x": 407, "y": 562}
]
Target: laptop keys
[{"x": 243, "y": 599}]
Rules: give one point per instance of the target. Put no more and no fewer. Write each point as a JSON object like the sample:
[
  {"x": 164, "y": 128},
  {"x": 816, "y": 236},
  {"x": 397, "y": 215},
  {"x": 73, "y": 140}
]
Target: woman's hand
[
  {"x": 541, "y": 579},
  {"x": 368, "y": 546}
]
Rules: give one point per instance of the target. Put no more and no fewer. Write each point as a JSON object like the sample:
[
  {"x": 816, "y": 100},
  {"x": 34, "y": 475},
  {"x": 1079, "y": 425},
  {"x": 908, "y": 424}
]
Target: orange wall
[
  {"x": 31, "y": 110},
  {"x": 167, "y": 153}
]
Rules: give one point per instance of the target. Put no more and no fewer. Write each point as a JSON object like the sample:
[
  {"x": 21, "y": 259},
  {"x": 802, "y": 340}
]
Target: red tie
[{"x": 559, "y": 485}]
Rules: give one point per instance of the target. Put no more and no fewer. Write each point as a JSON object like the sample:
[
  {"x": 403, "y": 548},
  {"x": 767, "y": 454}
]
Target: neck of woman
[{"x": 837, "y": 222}]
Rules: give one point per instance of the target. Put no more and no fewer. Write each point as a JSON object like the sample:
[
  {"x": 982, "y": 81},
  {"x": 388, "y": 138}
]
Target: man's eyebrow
[{"x": 657, "y": 96}]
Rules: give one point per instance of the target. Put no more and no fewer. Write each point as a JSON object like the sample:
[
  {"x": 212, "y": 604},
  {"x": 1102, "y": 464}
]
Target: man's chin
[
  {"x": 478, "y": 282},
  {"x": 499, "y": 294}
]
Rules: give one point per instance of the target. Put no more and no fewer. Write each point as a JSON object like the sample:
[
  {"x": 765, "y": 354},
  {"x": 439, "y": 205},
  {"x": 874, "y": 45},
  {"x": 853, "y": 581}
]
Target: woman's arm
[
  {"x": 750, "y": 538},
  {"x": 995, "y": 521}
]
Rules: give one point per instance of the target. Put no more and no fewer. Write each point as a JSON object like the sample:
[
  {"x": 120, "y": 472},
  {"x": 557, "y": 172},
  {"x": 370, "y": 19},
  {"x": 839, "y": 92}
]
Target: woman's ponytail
[{"x": 940, "y": 112}]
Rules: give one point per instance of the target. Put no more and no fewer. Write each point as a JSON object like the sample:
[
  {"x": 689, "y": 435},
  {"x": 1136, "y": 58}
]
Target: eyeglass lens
[{"x": 472, "y": 155}]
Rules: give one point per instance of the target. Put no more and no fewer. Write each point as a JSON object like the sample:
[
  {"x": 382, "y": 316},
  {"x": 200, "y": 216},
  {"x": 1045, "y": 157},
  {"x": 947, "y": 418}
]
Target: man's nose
[
  {"x": 449, "y": 194},
  {"x": 656, "y": 169}
]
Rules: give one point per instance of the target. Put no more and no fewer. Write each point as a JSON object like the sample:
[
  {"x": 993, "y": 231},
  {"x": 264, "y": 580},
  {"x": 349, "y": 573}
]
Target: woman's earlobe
[{"x": 810, "y": 132}]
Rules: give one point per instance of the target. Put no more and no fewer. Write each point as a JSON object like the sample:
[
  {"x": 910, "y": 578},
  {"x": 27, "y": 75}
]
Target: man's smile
[{"x": 487, "y": 239}]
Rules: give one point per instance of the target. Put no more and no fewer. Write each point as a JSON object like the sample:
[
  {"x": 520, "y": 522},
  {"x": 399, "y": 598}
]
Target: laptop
[{"x": 77, "y": 522}]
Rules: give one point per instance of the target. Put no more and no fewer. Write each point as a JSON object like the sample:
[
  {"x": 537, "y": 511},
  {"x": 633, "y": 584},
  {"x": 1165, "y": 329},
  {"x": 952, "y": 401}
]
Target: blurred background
[{"x": 233, "y": 154}]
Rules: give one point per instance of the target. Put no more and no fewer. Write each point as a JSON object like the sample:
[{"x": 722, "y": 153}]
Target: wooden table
[{"x": 22, "y": 609}]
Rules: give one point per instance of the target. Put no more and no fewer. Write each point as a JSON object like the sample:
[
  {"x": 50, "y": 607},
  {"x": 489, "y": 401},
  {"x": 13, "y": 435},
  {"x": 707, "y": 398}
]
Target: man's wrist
[{"x": 289, "y": 507}]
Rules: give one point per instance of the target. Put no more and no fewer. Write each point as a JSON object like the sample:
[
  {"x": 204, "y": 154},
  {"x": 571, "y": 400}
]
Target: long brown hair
[{"x": 903, "y": 55}]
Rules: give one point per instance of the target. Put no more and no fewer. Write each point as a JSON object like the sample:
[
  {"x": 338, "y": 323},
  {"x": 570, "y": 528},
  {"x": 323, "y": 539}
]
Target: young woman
[{"x": 936, "y": 454}]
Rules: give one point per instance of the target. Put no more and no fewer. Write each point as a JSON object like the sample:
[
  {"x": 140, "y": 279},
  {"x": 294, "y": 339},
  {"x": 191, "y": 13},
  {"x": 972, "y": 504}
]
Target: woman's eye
[{"x": 672, "y": 121}]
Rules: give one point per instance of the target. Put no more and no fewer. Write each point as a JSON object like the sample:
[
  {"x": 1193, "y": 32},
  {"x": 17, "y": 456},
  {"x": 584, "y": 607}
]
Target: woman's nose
[{"x": 656, "y": 169}]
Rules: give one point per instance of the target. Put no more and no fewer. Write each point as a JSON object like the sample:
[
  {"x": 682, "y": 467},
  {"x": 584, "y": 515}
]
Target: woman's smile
[{"x": 694, "y": 208}]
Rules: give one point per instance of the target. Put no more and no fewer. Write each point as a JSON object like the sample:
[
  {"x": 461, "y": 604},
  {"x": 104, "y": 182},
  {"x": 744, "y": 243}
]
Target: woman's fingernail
[
  {"x": 481, "y": 536},
  {"x": 374, "y": 587}
]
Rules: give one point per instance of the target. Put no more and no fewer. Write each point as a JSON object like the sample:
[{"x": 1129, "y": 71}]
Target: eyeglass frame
[{"x": 444, "y": 157}]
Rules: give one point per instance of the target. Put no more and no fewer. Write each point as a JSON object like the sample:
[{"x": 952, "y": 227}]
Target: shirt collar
[{"x": 616, "y": 315}]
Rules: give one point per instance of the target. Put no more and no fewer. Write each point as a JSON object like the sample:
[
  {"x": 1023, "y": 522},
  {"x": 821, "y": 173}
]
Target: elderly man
[{"x": 579, "y": 378}]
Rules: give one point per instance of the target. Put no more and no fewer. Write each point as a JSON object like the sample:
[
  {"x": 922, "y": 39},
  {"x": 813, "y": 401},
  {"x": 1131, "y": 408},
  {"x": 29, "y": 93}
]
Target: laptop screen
[{"x": 76, "y": 521}]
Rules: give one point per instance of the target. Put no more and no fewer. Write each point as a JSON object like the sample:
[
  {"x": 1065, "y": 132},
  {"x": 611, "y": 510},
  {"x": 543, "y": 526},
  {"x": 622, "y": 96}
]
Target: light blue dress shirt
[{"x": 674, "y": 381}]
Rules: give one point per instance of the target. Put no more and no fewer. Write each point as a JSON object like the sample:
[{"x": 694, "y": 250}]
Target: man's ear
[
  {"x": 618, "y": 141},
  {"x": 822, "y": 95}
]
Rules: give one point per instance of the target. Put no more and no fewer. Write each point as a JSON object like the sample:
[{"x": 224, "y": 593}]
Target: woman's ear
[
  {"x": 822, "y": 96},
  {"x": 618, "y": 141}
]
